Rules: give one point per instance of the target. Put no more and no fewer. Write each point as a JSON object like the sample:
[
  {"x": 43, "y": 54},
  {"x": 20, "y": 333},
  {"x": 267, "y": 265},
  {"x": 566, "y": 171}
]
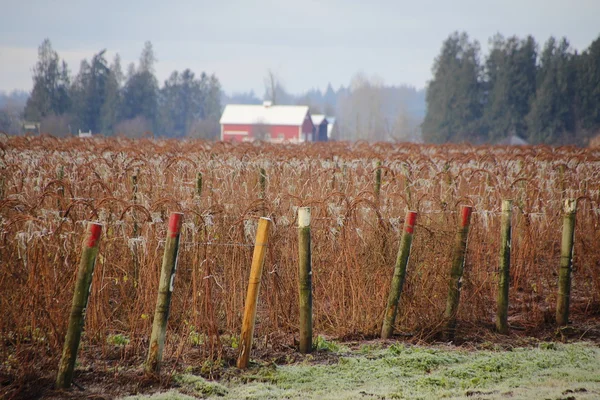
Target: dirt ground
[{"x": 97, "y": 378}]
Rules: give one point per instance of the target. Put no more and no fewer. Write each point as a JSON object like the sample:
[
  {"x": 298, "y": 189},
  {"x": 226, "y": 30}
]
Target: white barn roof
[{"x": 265, "y": 114}]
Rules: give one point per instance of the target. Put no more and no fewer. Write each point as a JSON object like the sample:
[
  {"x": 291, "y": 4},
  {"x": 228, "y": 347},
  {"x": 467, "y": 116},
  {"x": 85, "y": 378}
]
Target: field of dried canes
[{"x": 49, "y": 188}]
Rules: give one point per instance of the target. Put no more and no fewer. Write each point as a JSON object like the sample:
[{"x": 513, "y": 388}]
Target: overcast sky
[{"x": 306, "y": 43}]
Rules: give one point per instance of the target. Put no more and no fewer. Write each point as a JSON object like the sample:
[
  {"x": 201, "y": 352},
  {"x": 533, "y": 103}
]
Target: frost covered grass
[{"x": 553, "y": 371}]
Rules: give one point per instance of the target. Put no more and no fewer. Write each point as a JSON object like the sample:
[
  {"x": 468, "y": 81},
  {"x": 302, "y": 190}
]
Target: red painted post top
[
  {"x": 411, "y": 219},
  {"x": 175, "y": 224},
  {"x": 465, "y": 214},
  {"x": 94, "y": 230}
]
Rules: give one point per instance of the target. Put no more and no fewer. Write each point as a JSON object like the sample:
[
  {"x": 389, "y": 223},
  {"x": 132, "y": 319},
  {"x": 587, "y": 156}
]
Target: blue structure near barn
[{"x": 323, "y": 126}]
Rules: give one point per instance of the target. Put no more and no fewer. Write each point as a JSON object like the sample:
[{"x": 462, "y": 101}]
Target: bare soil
[{"x": 113, "y": 377}]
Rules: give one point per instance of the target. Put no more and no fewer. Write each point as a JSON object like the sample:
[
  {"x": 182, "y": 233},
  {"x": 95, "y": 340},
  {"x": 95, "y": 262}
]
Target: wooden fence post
[
  {"x": 399, "y": 275},
  {"x": 377, "y": 179},
  {"x": 305, "y": 279},
  {"x": 80, "y": 300},
  {"x": 60, "y": 175},
  {"x": 199, "y": 184},
  {"x": 504, "y": 271},
  {"x": 456, "y": 273},
  {"x": 165, "y": 291},
  {"x": 135, "y": 233},
  {"x": 262, "y": 178},
  {"x": 258, "y": 259},
  {"x": 566, "y": 262}
]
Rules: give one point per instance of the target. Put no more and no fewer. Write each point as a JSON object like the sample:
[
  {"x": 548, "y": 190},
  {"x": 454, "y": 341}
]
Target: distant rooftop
[
  {"x": 317, "y": 119},
  {"x": 513, "y": 140}
]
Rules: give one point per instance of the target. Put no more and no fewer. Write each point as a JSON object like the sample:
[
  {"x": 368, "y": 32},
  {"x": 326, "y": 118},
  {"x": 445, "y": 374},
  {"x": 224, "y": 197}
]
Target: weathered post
[
  {"x": 504, "y": 271},
  {"x": 60, "y": 175},
  {"x": 377, "y": 179},
  {"x": 263, "y": 189},
  {"x": 134, "y": 249},
  {"x": 80, "y": 300},
  {"x": 566, "y": 263},
  {"x": 561, "y": 177},
  {"x": 199, "y": 184},
  {"x": 258, "y": 259},
  {"x": 407, "y": 182},
  {"x": 305, "y": 279},
  {"x": 399, "y": 275},
  {"x": 165, "y": 291},
  {"x": 456, "y": 273},
  {"x": 262, "y": 179}
]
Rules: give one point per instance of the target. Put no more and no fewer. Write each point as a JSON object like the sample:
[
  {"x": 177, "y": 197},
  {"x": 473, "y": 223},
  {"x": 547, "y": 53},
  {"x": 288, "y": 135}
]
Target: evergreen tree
[
  {"x": 510, "y": 86},
  {"x": 89, "y": 93},
  {"x": 180, "y": 103},
  {"x": 588, "y": 90},
  {"x": 185, "y": 101},
  {"x": 329, "y": 97},
  {"x": 552, "y": 117},
  {"x": 112, "y": 97},
  {"x": 212, "y": 101},
  {"x": 50, "y": 94},
  {"x": 454, "y": 96},
  {"x": 140, "y": 94}
]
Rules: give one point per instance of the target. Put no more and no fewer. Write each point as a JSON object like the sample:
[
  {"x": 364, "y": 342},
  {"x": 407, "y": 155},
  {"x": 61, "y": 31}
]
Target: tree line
[
  {"x": 103, "y": 99},
  {"x": 550, "y": 97}
]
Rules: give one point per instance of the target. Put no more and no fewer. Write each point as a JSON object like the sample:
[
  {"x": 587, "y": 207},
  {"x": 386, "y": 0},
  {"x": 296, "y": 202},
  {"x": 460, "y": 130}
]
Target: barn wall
[
  {"x": 288, "y": 132},
  {"x": 308, "y": 129},
  {"x": 236, "y": 133},
  {"x": 278, "y": 133}
]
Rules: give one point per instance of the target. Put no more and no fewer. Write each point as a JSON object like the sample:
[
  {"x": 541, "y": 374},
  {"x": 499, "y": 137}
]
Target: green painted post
[
  {"x": 504, "y": 272},
  {"x": 305, "y": 279},
  {"x": 456, "y": 273},
  {"x": 566, "y": 263},
  {"x": 399, "y": 275},
  {"x": 80, "y": 300},
  {"x": 165, "y": 291}
]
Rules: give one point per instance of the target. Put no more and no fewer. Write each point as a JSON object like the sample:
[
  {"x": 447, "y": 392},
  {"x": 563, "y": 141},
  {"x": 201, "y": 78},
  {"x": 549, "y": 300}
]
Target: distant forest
[
  {"x": 547, "y": 96},
  {"x": 103, "y": 99}
]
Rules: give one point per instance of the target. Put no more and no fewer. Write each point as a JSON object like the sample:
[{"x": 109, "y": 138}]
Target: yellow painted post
[{"x": 258, "y": 260}]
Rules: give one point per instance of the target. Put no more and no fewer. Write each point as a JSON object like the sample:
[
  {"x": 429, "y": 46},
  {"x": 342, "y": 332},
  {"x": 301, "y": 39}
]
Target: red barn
[{"x": 241, "y": 122}]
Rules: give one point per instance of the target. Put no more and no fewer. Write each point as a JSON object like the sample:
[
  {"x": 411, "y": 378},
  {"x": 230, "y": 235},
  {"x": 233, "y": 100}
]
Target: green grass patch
[{"x": 553, "y": 371}]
